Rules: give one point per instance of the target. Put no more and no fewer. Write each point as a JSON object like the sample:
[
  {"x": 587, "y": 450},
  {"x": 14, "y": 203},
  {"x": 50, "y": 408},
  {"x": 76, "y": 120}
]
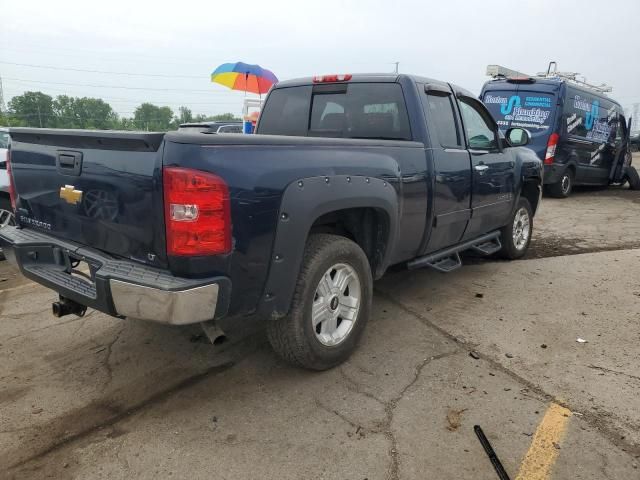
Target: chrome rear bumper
[
  {"x": 117, "y": 287},
  {"x": 171, "y": 307}
]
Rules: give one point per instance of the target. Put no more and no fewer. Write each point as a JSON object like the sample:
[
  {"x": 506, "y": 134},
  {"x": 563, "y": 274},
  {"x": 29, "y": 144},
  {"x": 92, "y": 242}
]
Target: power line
[
  {"x": 109, "y": 86},
  {"x": 70, "y": 69},
  {"x": 65, "y": 91}
]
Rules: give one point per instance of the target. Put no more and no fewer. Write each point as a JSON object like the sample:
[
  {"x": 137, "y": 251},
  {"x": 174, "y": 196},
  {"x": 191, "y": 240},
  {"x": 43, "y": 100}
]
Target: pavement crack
[
  {"x": 107, "y": 359},
  {"x": 356, "y": 387},
  {"x": 123, "y": 413},
  {"x": 611, "y": 433},
  {"x": 615, "y": 372},
  {"x": 341, "y": 416},
  {"x": 385, "y": 426}
]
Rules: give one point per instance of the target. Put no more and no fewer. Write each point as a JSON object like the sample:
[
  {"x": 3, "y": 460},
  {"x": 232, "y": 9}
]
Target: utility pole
[
  {"x": 396, "y": 64},
  {"x": 2, "y": 106}
]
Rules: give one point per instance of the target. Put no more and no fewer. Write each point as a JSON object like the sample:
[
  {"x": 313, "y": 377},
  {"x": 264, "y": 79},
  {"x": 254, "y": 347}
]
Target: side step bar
[{"x": 448, "y": 259}]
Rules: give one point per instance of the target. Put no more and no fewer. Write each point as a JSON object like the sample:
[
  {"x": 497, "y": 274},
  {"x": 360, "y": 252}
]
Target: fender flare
[{"x": 303, "y": 202}]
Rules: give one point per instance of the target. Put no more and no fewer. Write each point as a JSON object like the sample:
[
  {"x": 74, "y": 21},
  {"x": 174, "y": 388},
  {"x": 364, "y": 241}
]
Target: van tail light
[
  {"x": 12, "y": 186},
  {"x": 332, "y": 78},
  {"x": 552, "y": 144},
  {"x": 197, "y": 212}
]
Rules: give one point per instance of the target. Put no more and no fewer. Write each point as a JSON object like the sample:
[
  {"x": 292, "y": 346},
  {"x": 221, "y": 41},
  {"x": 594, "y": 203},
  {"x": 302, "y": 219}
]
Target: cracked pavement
[{"x": 101, "y": 398}]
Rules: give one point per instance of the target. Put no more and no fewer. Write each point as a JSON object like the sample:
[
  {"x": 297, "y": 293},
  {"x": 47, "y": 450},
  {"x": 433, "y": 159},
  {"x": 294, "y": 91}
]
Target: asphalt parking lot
[{"x": 493, "y": 344}]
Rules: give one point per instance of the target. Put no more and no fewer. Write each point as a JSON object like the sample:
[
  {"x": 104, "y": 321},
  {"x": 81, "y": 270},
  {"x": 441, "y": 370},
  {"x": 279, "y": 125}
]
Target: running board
[
  {"x": 489, "y": 247},
  {"x": 448, "y": 259}
]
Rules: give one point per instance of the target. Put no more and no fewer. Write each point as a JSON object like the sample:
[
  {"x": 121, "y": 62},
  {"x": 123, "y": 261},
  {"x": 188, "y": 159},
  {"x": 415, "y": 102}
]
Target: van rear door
[{"x": 525, "y": 107}]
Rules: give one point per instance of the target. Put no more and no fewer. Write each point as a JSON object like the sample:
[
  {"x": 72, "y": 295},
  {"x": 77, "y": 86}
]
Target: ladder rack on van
[{"x": 498, "y": 71}]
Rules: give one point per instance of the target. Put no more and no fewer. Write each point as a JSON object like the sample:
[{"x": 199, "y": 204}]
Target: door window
[
  {"x": 479, "y": 128},
  {"x": 442, "y": 119}
]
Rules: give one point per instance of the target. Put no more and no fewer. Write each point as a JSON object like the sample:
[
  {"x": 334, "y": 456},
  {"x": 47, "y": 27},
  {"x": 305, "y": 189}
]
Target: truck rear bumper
[{"x": 117, "y": 287}]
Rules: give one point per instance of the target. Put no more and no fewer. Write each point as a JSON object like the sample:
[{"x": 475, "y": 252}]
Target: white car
[{"x": 6, "y": 216}]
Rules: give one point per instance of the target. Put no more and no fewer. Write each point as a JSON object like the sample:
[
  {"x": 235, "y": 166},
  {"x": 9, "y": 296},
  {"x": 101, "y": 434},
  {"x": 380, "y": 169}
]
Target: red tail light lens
[
  {"x": 12, "y": 187},
  {"x": 550, "y": 154},
  {"x": 197, "y": 212},
  {"x": 332, "y": 78}
]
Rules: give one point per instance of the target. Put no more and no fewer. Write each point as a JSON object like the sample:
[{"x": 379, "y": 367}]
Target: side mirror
[{"x": 518, "y": 137}]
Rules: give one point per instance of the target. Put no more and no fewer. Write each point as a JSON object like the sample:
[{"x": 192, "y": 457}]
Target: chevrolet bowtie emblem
[{"x": 70, "y": 195}]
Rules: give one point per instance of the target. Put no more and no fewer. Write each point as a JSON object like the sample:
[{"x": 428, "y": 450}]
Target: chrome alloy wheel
[
  {"x": 521, "y": 229},
  {"x": 336, "y": 304},
  {"x": 6, "y": 218},
  {"x": 565, "y": 184}
]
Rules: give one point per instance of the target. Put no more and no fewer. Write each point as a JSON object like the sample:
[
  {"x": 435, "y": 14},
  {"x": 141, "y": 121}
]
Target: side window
[
  {"x": 479, "y": 128},
  {"x": 442, "y": 118},
  {"x": 286, "y": 112}
]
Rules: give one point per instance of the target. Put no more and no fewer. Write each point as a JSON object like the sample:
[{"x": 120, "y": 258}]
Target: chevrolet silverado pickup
[{"x": 346, "y": 176}]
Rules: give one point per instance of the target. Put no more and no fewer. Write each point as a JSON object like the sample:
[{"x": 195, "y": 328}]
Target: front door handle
[{"x": 481, "y": 168}]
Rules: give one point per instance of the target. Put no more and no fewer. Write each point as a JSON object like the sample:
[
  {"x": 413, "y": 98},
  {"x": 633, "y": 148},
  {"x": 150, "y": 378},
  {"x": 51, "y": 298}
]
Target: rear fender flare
[{"x": 303, "y": 202}]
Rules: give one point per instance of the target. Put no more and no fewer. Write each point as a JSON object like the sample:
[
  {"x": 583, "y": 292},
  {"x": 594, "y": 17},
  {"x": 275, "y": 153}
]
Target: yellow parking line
[{"x": 544, "y": 448}]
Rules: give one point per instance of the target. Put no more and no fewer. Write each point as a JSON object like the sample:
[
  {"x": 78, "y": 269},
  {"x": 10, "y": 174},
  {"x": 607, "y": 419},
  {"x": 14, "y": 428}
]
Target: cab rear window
[{"x": 342, "y": 110}]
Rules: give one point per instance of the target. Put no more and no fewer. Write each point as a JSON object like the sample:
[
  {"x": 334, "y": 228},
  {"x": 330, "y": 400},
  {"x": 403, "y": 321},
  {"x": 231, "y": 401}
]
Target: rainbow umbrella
[{"x": 244, "y": 77}]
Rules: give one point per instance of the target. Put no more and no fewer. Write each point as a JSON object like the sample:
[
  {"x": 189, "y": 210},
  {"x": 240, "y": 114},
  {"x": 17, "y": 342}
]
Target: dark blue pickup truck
[{"x": 346, "y": 176}]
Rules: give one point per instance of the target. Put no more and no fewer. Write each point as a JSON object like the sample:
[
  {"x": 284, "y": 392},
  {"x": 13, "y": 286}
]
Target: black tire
[
  {"x": 563, "y": 187},
  {"x": 633, "y": 178},
  {"x": 294, "y": 336},
  {"x": 509, "y": 249}
]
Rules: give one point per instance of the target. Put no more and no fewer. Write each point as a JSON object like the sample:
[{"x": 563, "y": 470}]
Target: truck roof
[{"x": 373, "y": 77}]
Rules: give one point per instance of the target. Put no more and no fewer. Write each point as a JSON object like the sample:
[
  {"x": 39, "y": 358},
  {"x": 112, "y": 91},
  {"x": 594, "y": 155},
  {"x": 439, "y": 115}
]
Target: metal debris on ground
[{"x": 495, "y": 461}]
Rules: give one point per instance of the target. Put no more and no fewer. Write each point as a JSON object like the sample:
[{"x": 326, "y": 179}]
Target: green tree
[
  {"x": 224, "y": 117},
  {"x": 33, "y": 109},
  {"x": 184, "y": 115},
  {"x": 151, "y": 117},
  {"x": 74, "y": 112}
]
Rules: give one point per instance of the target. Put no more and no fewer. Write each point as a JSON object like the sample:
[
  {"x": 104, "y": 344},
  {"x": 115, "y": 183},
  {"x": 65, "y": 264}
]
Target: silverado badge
[{"x": 70, "y": 195}]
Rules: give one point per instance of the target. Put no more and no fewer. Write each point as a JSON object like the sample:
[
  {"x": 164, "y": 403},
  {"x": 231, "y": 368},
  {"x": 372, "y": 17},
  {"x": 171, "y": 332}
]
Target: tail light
[
  {"x": 552, "y": 144},
  {"x": 197, "y": 212},
  {"x": 332, "y": 78},
  {"x": 12, "y": 186}
]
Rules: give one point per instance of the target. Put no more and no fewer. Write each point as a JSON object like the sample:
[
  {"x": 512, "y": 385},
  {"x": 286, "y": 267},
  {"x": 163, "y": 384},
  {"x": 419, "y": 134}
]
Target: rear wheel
[
  {"x": 516, "y": 235},
  {"x": 563, "y": 187},
  {"x": 633, "y": 178},
  {"x": 330, "y": 307}
]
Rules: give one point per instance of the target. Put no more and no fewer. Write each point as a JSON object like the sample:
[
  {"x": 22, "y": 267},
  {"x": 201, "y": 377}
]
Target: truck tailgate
[{"x": 100, "y": 189}]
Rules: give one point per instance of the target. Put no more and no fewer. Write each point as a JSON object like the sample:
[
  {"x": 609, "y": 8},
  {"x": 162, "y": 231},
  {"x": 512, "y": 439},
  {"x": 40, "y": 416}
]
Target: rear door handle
[{"x": 481, "y": 168}]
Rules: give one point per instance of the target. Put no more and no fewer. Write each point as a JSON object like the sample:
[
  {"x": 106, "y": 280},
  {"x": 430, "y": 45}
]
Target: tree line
[{"x": 37, "y": 109}]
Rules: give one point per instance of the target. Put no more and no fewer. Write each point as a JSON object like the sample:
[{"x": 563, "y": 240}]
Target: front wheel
[
  {"x": 516, "y": 235},
  {"x": 330, "y": 307}
]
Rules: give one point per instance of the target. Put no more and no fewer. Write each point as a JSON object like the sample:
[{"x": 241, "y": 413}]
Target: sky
[{"x": 164, "y": 52}]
